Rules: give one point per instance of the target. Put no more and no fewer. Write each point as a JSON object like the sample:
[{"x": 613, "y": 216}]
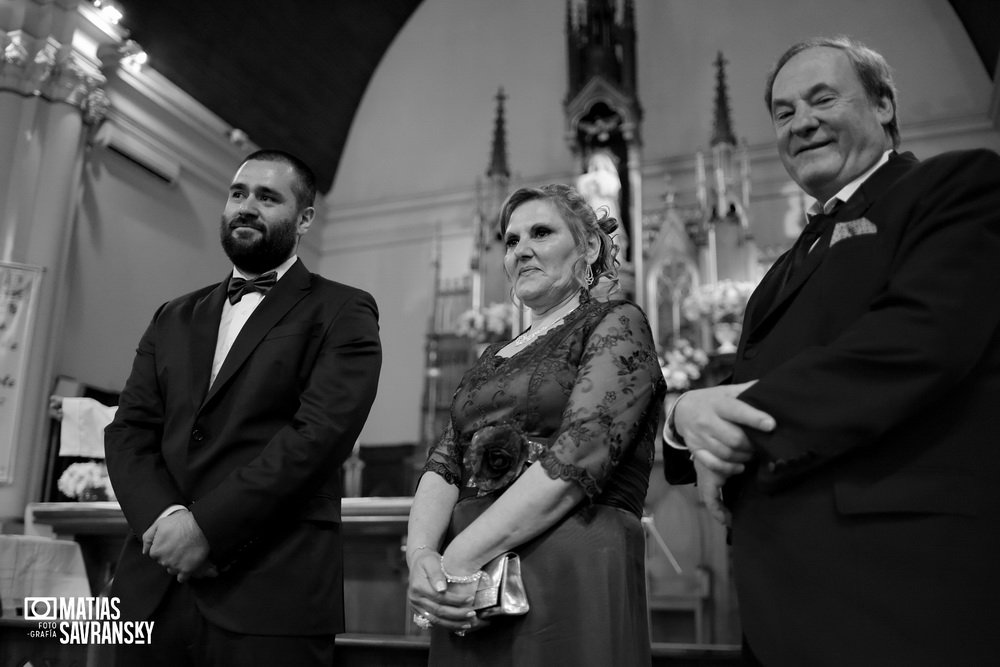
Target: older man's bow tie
[{"x": 239, "y": 286}]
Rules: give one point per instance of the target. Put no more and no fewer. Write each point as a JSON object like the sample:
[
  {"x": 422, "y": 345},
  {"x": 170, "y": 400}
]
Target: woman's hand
[
  {"x": 56, "y": 407},
  {"x": 710, "y": 485},
  {"x": 446, "y": 605}
]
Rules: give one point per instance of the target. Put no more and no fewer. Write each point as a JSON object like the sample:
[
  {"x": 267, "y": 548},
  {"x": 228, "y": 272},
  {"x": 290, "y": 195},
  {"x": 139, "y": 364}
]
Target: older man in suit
[
  {"x": 855, "y": 452},
  {"x": 244, "y": 400}
]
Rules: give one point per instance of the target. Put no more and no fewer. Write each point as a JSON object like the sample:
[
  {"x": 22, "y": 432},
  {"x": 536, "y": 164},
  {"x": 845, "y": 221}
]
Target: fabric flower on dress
[{"x": 497, "y": 456}]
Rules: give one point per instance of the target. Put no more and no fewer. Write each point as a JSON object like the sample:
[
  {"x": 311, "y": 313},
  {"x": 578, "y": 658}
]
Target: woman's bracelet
[
  {"x": 411, "y": 553},
  {"x": 451, "y": 579}
]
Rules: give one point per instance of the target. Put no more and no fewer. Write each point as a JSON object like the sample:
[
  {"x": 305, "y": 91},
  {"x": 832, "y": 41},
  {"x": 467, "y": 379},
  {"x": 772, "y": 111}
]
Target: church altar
[
  {"x": 374, "y": 562},
  {"x": 377, "y": 617}
]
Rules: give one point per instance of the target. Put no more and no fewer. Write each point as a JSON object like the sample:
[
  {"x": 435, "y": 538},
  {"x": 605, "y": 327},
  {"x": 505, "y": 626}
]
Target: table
[
  {"x": 39, "y": 567},
  {"x": 375, "y": 572}
]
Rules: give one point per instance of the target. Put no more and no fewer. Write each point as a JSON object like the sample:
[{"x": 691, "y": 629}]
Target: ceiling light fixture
[
  {"x": 110, "y": 11},
  {"x": 133, "y": 56}
]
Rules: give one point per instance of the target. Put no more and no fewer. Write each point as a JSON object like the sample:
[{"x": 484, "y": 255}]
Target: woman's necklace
[{"x": 531, "y": 335}]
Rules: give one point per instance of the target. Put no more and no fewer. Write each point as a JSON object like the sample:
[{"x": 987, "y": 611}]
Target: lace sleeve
[
  {"x": 444, "y": 458},
  {"x": 617, "y": 383}
]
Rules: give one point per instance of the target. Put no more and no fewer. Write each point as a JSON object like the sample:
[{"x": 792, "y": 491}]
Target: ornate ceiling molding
[{"x": 53, "y": 71}]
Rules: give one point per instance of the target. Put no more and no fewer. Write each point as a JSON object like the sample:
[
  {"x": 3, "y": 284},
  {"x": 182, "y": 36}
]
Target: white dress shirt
[
  {"x": 848, "y": 190},
  {"x": 234, "y": 316}
]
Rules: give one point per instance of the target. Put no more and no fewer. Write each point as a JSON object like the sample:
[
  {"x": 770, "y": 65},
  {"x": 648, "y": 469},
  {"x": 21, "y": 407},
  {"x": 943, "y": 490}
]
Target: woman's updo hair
[{"x": 582, "y": 221}]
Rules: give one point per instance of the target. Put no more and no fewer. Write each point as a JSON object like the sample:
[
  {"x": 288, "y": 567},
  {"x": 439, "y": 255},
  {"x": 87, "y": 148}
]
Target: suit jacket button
[
  {"x": 198, "y": 435},
  {"x": 750, "y": 353}
]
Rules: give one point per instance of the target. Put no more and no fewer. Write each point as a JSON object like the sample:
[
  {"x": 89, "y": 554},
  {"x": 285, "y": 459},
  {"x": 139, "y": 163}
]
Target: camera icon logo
[{"x": 40, "y": 609}]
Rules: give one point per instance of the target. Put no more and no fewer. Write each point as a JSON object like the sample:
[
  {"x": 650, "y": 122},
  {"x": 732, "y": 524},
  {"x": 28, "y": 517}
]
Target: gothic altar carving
[
  {"x": 703, "y": 263},
  {"x": 603, "y": 118},
  {"x": 601, "y": 186}
]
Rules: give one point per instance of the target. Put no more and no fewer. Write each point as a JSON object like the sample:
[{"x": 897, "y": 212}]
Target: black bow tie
[{"x": 239, "y": 286}]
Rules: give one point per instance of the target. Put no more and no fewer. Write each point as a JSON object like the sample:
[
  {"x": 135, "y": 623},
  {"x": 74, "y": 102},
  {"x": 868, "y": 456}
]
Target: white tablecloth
[{"x": 39, "y": 567}]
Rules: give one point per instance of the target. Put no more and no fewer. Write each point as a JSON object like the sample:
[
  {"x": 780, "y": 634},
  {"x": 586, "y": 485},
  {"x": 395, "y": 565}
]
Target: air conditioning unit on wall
[{"x": 139, "y": 152}]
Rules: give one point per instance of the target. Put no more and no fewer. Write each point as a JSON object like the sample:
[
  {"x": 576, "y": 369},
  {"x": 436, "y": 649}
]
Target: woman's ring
[
  {"x": 460, "y": 633},
  {"x": 422, "y": 621}
]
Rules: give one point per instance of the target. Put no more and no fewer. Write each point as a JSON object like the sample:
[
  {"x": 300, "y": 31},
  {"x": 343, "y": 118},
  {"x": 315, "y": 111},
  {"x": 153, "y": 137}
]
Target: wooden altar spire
[{"x": 722, "y": 128}]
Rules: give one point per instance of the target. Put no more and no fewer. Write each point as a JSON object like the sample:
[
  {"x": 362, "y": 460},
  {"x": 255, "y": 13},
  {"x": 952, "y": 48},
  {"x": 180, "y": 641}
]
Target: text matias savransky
[{"x": 84, "y": 620}]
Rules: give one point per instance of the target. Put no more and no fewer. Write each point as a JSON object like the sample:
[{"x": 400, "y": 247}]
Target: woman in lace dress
[{"x": 548, "y": 454}]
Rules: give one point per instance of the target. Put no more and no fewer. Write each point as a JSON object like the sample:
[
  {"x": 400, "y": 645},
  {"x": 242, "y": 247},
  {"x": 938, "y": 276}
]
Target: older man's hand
[{"x": 712, "y": 423}]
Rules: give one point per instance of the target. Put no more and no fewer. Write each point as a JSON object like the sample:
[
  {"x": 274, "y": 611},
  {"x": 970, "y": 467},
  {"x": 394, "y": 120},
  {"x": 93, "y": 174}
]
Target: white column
[{"x": 46, "y": 90}]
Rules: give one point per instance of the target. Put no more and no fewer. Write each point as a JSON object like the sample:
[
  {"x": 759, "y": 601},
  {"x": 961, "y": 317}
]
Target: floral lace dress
[{"x": 583, "y": 399}]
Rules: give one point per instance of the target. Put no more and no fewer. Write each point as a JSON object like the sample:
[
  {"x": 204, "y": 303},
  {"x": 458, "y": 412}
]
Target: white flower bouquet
[
  {"x": 723, "y": 301},
  {"x": 682, "y": 364},
  {"x": 87, "y": 480},
  {"x": 486, "y": 325}
]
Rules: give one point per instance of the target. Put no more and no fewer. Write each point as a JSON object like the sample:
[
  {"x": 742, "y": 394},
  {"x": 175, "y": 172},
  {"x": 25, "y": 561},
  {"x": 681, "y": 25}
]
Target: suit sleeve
[
  {"x": 919, "y": 339},
  {"x": 306, "y": 452},
  {"x": 132, "y": 443}
]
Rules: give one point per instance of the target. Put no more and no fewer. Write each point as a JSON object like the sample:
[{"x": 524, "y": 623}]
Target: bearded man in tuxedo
[
  {"x": 244, "y": 400},
  {"x": 853, "y": 451}
]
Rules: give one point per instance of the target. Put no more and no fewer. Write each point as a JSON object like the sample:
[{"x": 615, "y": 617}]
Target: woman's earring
[{"x": 589, "y": 276}]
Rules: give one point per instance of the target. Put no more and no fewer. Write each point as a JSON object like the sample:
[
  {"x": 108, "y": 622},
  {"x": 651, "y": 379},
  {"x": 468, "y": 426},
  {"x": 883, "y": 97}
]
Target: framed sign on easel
[{"x": 19, "y": 288}]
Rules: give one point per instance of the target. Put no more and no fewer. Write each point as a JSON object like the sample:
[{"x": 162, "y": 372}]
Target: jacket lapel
[
  {"x": 288, "y": 291},
  {"x": 854, "y": 208},
  {"x": 204, "y": 335}
]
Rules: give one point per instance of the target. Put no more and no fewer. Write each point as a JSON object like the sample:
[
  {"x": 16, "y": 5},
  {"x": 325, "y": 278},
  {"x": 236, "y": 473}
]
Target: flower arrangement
[
  {"x": 497, "y": 456},
  {"x": 86, "y": 481},
  {"x": 486, "y": 325},
  {"x": 682, "y": 364},
  {"x": 723, "y": 301}
]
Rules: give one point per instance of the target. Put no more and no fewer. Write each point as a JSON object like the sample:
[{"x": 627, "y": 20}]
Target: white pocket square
[{"x": 845, "y": 230}]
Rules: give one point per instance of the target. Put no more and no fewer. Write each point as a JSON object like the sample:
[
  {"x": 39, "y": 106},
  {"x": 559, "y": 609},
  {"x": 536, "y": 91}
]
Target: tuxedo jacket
[
  {"x": 256, "y": 457},
  {"x": 867, "y": 531}
]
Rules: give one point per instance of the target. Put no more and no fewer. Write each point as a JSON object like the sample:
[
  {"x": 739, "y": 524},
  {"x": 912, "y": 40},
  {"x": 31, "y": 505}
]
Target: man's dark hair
[
  {"x": 871, "y": 68},
  {"x": 304, "y": 187}
]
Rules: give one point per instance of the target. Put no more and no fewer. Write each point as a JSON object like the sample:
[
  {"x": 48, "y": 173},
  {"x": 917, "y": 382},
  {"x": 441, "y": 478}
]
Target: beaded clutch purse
[{"x": 501, "y": 590}]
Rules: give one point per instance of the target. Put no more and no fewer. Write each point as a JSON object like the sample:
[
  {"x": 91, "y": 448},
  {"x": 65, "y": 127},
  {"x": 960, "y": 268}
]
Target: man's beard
[{"x": 258, "y": 255}]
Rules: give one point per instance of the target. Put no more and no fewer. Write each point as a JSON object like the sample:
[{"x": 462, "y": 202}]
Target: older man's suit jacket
[
  {"x": 868, "y": 530},
  {"x": 256, "y": 457}
]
